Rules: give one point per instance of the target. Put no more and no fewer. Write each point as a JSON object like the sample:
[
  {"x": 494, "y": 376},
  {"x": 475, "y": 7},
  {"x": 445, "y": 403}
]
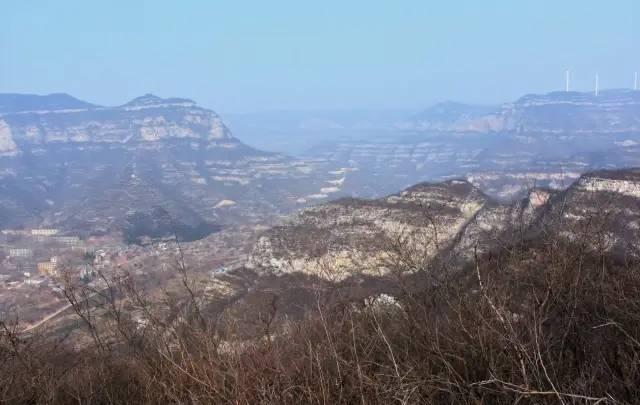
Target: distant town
[{"x": 35, "y": 263}]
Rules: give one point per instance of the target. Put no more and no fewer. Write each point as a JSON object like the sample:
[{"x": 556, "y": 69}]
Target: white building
[
  {"x": 44, "y": 232},
  {"x": 20, "y": 252}
]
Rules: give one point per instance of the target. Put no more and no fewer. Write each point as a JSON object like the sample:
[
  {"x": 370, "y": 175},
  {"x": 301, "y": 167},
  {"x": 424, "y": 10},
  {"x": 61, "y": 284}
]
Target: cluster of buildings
[{"x": 29, "y": 251}]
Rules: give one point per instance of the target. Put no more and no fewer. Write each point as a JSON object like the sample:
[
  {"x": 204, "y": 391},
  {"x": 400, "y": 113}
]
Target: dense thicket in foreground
[{"x": 541, "y": 321}]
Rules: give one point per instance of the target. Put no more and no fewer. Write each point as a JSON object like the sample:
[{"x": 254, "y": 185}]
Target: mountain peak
[
  {"x": 605, "y": 96},
  {"x": 151, "y": 100},
  {"x": 145, "y": 99},
  {"x": 20, "y": 103}
]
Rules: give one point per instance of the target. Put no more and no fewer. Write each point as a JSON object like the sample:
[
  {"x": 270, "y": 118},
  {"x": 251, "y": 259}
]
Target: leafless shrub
[{"x": 545, "y": 319}]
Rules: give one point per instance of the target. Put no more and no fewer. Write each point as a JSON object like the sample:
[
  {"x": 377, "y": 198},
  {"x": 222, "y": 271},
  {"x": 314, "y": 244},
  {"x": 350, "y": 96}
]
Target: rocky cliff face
[
  {"x": 600, "y": 210},
  {"x": 8, "y": 146},
  {"x": 144, "y": 119},
  {"x": 537, "y": 141},
  {"x": 72, "y": 164},
  {"x": 151, "y": 164},
  {"x": 350, "y": 236},
  {"x": 452, "y": 117},
  {"x": 611, "y": 112},
  {"x": 452, "y": 220}
]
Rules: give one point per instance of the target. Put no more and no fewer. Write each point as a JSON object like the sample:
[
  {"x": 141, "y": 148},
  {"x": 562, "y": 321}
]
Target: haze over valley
[
  {"x": 95, "y": 170},
  {"x": 292, "y": 203}
]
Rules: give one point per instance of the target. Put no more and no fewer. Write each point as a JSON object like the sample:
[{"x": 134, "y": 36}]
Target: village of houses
[
  {"x": 33, "y": 260},
  {"x": 33, "y": 263}
]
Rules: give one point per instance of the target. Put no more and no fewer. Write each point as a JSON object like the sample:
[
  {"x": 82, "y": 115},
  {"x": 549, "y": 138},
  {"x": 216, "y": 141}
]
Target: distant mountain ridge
[
  {"x": 448, "y": 116},
  {"x": 611, "y": 111},
  {"x": 28, "y": 121},
  {"x": 151, "y": 165},
  {"x": 79, "y": 166},
  {"x": 20, "y": 103}
]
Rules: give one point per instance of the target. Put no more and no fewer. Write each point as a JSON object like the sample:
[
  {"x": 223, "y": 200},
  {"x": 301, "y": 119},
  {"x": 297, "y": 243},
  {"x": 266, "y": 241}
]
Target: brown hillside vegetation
[{"x": 544, "y": 319}]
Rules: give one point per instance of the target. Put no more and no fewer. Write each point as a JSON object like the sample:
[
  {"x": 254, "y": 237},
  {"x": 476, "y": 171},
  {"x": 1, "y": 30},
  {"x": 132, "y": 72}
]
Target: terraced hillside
[{"x": 151, "y": 164}]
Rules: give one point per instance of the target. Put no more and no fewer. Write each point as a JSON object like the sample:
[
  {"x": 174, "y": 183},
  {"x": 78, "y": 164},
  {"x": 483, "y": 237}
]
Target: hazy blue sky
[{"x": 239, "y": 55}]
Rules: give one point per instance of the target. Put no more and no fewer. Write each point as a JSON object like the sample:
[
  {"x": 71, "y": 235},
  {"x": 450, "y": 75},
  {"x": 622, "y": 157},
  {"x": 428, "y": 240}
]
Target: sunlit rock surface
[{"x": 453, "y": 221}]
